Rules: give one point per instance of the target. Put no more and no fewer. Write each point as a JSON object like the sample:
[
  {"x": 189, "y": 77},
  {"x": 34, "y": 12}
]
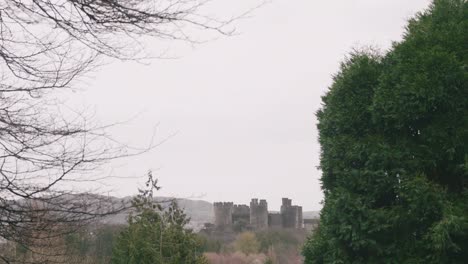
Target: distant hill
[
  {"x": 311, "y": 214},
  {"x": 306, "y": 214},
  {"x": 199, "y": 211}
]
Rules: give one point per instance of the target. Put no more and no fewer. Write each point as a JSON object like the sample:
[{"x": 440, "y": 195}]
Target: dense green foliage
[
  {"x": 152, "y": 237},
  {"x": 394, "y": 136},
  {"x": 280, "y": 239},
  {"x": 95, "y": 244},
  {"x": 156, "y": 235}
]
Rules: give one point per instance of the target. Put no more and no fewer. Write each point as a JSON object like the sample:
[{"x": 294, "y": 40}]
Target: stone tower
[
  {"x": 223, "y": 214},
  {"x": 291, "y": 214},
  {"x": 259, "y": 214}
]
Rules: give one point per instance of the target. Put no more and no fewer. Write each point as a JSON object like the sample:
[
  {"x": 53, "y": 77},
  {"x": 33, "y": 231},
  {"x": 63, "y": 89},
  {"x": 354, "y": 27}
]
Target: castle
[{"x": 256, "y": 216}]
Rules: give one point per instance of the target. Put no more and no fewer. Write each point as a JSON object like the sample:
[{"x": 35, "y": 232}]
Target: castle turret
[
  {"x": 259, "y": 214},
  {"x": 223, "y": 214},
  {"x": 291, "y": 214}
]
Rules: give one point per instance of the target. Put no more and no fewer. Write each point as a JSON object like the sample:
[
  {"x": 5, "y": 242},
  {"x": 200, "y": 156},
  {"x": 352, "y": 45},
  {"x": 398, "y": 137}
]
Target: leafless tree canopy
[
  {"x": 44, "y": 46},
  {"x": 46, "y": 43}
]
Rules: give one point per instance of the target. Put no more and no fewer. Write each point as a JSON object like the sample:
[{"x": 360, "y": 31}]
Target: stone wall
[
  {"x": 275, "y": 220},
  {"x": 241, "y": 212}
]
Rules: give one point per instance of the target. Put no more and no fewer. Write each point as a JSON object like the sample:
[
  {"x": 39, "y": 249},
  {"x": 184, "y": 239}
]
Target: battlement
[
  {"x": 223, "y": 204},
  {"x": 259, "y": 214},
  {"x": 223, "y": 214},
  {"x": 255, "y": 202},
  {"x": 292, "y": 214},
  {"x": 228, "y": 213},
  {"x": 241, "y": 209}
]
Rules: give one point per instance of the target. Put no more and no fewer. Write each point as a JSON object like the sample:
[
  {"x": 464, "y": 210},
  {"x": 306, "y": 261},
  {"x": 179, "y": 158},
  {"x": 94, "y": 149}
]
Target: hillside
[{"x": 199, "y": 211}]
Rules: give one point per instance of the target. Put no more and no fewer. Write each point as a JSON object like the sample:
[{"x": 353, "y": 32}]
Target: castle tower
[
  {"x": 286, "y": 203},
  {"x": 300, "y": 219},
  {"x": 223, "y": 214},
  {"x": 291, "y": 214},
  {"x": 259, "y": 214}
]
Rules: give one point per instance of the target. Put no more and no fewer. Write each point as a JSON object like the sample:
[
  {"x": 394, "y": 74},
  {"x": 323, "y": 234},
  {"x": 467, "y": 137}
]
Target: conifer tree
[{"x": 157, "y": 235}]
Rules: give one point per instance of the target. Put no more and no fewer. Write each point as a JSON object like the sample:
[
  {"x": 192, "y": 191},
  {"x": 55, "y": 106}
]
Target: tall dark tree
[{"x": 394, "y": 137}]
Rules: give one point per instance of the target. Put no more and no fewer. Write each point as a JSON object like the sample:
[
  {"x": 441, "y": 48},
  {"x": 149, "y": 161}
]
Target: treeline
[
  {"x": 141, "y": 241},
  {"x": 275, "y": 246},
  {"x": 155, "y": 233},
  {"x": 91, "y": 245}
]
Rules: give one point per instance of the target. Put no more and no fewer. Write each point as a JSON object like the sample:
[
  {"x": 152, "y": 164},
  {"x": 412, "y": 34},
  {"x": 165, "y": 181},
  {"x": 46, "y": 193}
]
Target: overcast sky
[{"x": 242, "y": 107}]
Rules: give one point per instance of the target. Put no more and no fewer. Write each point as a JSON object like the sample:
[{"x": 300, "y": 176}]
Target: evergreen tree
[
  {"x": 394, "y": 136},
  {"x": 156, "y": 235}
]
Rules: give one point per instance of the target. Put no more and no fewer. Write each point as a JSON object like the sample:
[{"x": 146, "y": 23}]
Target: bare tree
[{"x": 45, "y": 45}]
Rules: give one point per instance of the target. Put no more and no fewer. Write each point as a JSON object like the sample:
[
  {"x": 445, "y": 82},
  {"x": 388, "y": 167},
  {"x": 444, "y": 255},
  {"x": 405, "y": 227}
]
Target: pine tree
[{"x": 156, "y": 235}]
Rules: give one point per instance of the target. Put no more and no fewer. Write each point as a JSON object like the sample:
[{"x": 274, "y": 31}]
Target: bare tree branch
[{"x": 45, "y": 45}]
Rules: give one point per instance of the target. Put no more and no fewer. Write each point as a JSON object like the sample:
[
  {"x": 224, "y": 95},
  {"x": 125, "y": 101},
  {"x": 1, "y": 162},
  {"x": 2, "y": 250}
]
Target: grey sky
[{"x": 244, "y": 106}]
